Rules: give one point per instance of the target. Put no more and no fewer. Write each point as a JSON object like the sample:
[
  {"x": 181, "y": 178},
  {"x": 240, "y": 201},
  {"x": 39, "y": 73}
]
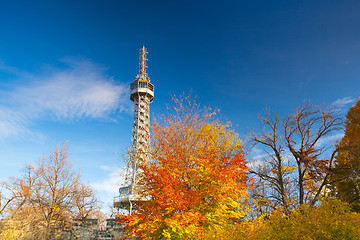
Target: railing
[
  {"x": 123, "y": 198},
  {"x": 124, "y": 194}
]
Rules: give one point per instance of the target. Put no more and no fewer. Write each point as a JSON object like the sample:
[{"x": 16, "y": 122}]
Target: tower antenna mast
[{"x": 142, "y": 65}]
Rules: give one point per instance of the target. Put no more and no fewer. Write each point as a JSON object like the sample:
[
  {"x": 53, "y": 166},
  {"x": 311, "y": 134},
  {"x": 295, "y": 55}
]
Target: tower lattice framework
[{"x": 142, "y": 94}]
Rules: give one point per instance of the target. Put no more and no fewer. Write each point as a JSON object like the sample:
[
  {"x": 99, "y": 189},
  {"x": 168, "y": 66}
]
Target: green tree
[{"x": 346, "y": 179}]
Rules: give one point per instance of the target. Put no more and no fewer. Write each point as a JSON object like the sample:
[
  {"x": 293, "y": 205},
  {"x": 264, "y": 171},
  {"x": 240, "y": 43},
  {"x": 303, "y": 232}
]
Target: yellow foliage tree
[{"x": 332, "y": 219}]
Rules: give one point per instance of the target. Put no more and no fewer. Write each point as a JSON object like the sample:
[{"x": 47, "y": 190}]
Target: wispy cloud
[
  {"x": 111, "y": 184},
  {"x": 108, "y": 188},
  {"x": 329, "y": 139},
  {"x": 80, "y": 89},
  {"x": 344, "y": 101}
]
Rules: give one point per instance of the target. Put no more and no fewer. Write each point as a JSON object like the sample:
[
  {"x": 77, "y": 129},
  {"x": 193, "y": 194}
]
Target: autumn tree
[
  {"x": 195, "y": 179},
  {"x": 49, "y": 195},
  {"x": 273, "y": 188},
  {"x": 346, "y": 178},
  {"x": 297, "y": 161}
]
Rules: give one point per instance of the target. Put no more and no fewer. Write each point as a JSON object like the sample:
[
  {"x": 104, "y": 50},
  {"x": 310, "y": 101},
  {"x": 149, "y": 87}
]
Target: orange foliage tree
[{"x": 195, "y": 180}]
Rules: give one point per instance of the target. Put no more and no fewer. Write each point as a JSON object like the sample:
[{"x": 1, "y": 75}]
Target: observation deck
[
  {"x": 141, "y": 87},
  {"x": 126, "y": 198}
]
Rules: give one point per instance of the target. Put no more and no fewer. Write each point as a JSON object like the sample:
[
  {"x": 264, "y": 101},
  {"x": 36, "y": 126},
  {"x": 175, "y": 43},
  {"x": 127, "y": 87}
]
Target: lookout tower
[{"x": 142, "y": 94}]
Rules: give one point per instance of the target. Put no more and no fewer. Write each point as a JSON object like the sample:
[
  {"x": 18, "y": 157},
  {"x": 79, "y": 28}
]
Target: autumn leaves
[
  {"x": 199, "y": 186},
  {"x": 196, "y": 179}
]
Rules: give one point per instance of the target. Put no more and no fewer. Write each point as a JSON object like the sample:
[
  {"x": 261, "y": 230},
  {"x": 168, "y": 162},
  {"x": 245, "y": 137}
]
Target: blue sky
[{"x": 65, "y": 69}]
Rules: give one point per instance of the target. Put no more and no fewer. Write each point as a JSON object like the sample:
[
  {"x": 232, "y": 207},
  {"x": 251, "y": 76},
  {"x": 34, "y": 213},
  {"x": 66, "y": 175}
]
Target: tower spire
[{"x": 142, "y": 65}]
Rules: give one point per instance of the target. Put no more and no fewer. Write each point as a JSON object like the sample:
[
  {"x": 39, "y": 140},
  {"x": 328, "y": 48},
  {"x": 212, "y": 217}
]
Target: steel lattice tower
[{"x": 142, "y": 94}]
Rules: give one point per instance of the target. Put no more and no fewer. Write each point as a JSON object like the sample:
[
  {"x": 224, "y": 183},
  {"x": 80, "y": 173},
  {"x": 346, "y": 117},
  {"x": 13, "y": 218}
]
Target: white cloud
[
  {"x": 79, "y": 90},
  {"x": 329, "y": 139},
  {"x": 343, "y": 101},
  {"x": 110, "y": 185},
  {"x": 105, "y": 168},
  {"x": 256, "y": 157},
  {"x": 108, "y": 188},
  {"x": 11, "y": 123}
]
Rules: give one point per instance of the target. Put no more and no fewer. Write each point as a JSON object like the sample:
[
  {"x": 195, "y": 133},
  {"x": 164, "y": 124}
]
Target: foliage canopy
[
  {"x": 346, "y": 179},
  {"x": 195, "y": 180}
]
